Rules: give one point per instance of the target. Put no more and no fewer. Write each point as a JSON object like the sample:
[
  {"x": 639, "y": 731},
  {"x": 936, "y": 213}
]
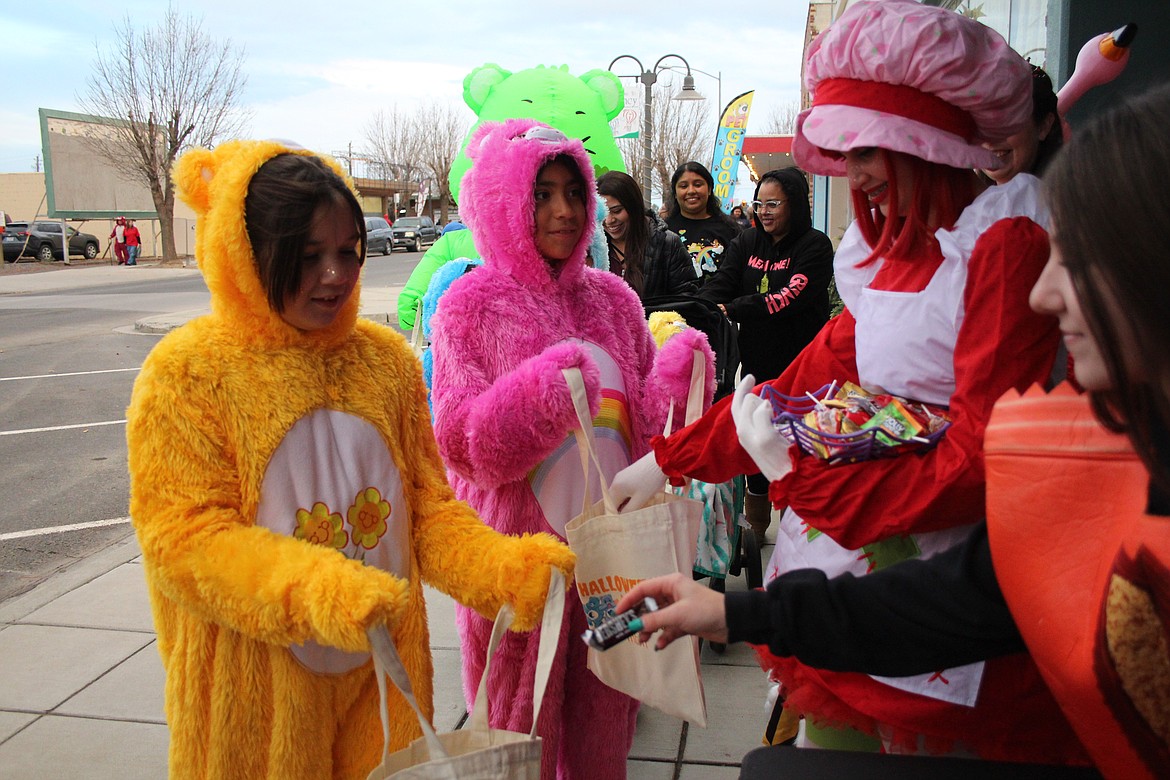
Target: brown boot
[{"x": 759, "y": 514}]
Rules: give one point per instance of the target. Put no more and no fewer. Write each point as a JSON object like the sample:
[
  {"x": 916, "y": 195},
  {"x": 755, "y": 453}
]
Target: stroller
[
  {"x": 742, "y": 553},
  {"x": 721, "y": 334}
]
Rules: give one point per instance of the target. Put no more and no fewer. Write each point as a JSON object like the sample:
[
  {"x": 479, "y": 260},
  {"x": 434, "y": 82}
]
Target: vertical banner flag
[
  {"x": 628, "y": 124},
  {"x": 729, "y": 147},
  {"x": 424, "y": 192}
]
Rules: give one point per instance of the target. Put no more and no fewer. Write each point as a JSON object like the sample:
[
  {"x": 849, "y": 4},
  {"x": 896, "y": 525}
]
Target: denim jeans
[{"x": 133, "y": 252}]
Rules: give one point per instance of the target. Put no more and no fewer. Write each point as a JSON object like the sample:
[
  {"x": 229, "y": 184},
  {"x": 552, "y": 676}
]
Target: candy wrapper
[{"x": 847, "y": 423}]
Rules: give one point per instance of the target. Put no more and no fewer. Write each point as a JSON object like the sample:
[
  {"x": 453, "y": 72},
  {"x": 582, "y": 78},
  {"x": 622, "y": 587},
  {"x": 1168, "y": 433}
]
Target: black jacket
[
  {"x": 778, "y": 292},
  {"x": 666, "y": 266}
]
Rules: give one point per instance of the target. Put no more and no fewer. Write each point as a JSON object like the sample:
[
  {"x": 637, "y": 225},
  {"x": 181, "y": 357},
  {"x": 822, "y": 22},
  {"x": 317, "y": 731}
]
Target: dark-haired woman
[
  {"x": 696, "y": 216},
  {"x": 1031, "y": 149},
  {"x": 774, "y": 282},
  {"x": 642, "y": 251},
  {"x": 739, "y": 218}
]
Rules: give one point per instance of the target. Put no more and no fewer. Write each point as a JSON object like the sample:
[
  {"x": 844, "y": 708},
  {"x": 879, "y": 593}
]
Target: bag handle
[
  {"x": 387, "y": 662},
  {"x": 416, "y": 333},
  {"x": 585, "y": 441},
  {"x": 550, "y": 631},
  {"x": 694, "y": 394}
]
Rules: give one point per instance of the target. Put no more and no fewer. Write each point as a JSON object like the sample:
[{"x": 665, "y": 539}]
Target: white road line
[
  {"x": 60, "y": 529},
  {"x": 63, "y": 427},
  {"x": 75, "y": 373}
]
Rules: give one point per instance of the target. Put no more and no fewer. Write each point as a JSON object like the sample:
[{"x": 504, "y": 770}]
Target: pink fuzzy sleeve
[
  {"x": 494, "y": 431},
  {"x": 670, "y": 378}
]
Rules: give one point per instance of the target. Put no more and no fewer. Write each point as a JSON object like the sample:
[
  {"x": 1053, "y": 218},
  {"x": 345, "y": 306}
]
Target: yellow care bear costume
[{"x": 288, "y": 494}]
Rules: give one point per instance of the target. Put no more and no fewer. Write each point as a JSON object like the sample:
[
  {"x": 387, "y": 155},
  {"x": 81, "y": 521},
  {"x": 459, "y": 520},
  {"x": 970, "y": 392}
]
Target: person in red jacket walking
[{"x": 133, "y": 243}]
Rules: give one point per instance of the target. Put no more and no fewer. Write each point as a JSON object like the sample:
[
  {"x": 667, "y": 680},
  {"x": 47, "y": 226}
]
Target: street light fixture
[
  {"x": 717, "y": 76},
  {"x": 648, "y": 77}
]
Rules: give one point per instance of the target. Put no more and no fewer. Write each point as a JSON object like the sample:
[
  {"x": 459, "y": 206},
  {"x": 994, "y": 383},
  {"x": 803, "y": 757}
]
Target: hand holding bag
[
  {"x": 615, "y": 551},
  {"x": 476, "y": 752}
]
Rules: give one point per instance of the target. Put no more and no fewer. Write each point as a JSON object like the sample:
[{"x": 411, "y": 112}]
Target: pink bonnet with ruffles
[{"x": 910, "y": 78}]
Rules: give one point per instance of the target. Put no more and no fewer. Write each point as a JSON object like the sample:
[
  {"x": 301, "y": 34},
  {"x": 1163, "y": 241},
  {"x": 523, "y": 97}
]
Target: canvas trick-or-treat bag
[
  {"x": 614, "y": 551},
  {"x": 475, "y": 752}
]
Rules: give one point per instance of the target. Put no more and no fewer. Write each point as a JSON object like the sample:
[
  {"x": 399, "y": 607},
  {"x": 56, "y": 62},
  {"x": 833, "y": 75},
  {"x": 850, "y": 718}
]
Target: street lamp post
[{"x": 648, "y": 77}]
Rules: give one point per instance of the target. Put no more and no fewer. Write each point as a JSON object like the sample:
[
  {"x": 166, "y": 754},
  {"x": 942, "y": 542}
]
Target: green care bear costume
[{"x": 579, "y": 106}]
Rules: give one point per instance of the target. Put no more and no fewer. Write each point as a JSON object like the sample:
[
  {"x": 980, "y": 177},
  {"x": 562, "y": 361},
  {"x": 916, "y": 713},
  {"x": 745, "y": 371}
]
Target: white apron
[{"x": 905, "y": 345}]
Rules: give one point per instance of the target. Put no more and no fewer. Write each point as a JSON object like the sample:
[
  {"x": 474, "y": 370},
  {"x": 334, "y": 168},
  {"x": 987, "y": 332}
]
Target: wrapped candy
[{"x": 846, "y": 423}]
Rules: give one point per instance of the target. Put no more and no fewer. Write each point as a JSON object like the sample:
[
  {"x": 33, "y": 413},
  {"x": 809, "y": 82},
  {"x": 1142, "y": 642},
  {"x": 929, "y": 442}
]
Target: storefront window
[{"x": 1021, "y": 22}]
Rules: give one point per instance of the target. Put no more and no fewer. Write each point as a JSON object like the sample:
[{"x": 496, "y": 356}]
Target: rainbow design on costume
[{"x": 557, "y": 481}]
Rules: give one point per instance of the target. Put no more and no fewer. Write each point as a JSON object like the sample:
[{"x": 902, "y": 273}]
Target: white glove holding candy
[{"x": 757, "y": 435}]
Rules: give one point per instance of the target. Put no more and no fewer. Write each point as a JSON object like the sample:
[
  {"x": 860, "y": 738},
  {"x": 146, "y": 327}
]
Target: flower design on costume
[
  {"x": 367, "y": 518},
  {"x": 320, "y": 526}
]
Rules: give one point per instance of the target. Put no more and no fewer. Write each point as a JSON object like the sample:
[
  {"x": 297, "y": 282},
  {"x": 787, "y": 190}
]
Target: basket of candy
[{"x": 847, "y": 424}]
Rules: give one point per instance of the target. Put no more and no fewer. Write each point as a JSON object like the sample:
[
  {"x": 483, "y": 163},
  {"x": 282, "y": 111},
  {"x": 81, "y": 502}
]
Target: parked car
[
  {"x": 413, "y": 233},
  {"x": 42, "y": 240},
  {"x": 378, "y": 237}
]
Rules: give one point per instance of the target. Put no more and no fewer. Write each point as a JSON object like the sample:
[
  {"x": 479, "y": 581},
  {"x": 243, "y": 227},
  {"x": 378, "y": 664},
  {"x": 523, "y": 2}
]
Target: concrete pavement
[{"x": 81, "y": 684}]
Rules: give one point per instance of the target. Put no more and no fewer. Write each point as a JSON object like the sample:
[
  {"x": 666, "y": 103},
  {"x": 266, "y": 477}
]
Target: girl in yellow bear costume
[{"x": 287, "y": 491}]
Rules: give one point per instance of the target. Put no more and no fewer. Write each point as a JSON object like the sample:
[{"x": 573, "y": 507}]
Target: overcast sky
[{"x": 318, "y": 71}]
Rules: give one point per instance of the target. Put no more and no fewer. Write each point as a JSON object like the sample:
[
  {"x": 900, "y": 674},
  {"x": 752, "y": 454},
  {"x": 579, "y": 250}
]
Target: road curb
[{"x": 69, "y": 579}]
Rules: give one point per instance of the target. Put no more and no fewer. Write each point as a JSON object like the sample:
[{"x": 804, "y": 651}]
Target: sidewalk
[{"x": 81, "y": 685}]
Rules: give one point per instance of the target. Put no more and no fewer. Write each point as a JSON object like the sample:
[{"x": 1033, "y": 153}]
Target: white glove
[
  {"x": 758, "y": 437},
  {"x": 637, "y": 483}
]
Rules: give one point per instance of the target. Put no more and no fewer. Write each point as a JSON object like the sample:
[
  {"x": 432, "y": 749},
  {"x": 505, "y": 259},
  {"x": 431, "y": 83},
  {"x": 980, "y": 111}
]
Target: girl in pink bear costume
[{"x": 504, "y": 417}]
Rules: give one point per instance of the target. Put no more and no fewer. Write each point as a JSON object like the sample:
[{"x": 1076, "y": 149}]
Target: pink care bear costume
[{"x": 504, "y": 419}]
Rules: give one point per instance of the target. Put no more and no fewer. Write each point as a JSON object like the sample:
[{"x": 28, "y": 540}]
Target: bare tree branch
[
  {"x": 171, "y": 87},
  {"x": 441, "y": 128},
  {"x": 411, "y": 147},
  {"x": 782, "y": 119}
]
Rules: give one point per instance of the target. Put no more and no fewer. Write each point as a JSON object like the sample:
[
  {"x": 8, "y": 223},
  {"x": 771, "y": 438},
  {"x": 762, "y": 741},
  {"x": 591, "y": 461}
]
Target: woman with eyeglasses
[
  {"x": 774, "y": 282},
  {"x": 698, "y": 218}
]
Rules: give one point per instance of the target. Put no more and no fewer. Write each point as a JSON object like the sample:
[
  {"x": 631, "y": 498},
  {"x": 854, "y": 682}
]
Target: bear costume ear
[
  {"x": 193, "y": 174},
  {"x": 479, "y": 136},
  {"x": 478, "y": 84},
  {"x": 609, "y": 88}
]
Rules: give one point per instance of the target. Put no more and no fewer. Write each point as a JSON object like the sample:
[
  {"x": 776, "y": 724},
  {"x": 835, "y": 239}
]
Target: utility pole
[{"x": 37, "y": 163}]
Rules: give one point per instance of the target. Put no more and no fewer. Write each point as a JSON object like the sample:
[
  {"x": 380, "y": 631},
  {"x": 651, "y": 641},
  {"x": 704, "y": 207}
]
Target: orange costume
[{"x": 1085, "y": 568}]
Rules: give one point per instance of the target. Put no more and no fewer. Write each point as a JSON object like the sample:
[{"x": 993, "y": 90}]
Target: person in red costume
[
  {"x": 1081, "y": 575},
  {"x": 934, "y": 273}
]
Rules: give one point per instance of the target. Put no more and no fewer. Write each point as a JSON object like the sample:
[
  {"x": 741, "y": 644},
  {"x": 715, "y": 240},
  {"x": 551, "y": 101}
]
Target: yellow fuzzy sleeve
[{"x": 203, "y": 554}]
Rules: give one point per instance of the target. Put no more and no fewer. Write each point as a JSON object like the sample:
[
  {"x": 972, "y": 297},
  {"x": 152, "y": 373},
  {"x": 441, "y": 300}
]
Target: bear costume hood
[
  {"x": 215, "y": 183},
  {"x": 499, "y": 205}
]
